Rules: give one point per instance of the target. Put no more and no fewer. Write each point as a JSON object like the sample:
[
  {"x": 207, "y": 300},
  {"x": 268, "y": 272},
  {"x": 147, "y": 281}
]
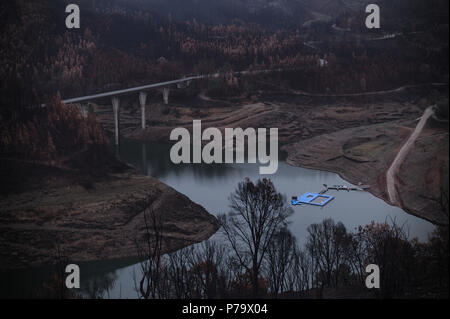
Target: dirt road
[{"x": 391, "y": 175}]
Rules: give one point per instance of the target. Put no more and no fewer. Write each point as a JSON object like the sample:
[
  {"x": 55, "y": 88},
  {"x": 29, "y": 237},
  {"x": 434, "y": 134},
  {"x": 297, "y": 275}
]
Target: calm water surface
[{"x": 210, "y": 186}]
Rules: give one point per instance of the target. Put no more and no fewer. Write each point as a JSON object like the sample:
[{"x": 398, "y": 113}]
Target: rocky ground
[
  {"x": 357, "y": 137},
  {"x": 89, "y": 218}
]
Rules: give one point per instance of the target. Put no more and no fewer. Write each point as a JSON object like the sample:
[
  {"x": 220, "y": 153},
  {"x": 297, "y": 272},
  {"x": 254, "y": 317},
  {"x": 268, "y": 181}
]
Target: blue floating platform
[{"x": 312, "y": 199}]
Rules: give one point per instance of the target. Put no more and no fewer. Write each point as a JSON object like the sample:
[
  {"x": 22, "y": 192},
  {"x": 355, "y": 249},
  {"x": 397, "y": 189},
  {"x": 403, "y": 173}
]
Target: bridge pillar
[
  {"x": 166, "y": 92},
  {"x": 116, "y": 104},
  {"x": 84, "y": 110},
  {"x": 142, "y": 99}
]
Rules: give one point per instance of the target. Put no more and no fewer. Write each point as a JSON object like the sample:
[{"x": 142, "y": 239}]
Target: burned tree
[
  {"x": 207, "y": 273},
  {"x": 178, "y": 273},
  {"x": 280, "y": 257},
  {"x": 328, "y": 244},
  {"x": 257, "y": 213},
  {"x": 152, "y": 283}
]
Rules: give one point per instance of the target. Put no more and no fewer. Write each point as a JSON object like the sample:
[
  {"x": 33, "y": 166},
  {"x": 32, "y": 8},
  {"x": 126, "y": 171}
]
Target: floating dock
[
  {"x": 312, "y": 199},
  {"x": 321, "y": 199},
  {"x": 360, "y": 188}
]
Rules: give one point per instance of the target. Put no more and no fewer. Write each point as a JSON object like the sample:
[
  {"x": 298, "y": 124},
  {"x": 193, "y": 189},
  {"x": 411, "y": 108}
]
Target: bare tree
[
  {"x": 152, "y": 267},
  {"x": 178, "y": 273},
  {"x": 328, "y": 244},
  {"x": 280, "y": 256},
  {"x": 388, "y": 247},
  {"x": 207, "y": 271},
  {"x": 303, "y": 264},
  {"x": 358, "y": 257},
  {"x": 257, "y": 213},
  {"x": 341, "y": 245}
]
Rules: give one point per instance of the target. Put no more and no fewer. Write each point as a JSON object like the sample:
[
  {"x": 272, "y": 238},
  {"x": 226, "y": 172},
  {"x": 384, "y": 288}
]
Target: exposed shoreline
[
  {"x": 428, "y": 165},
  {"x": 357, "y": 140},
  {"x": 101, "y": 221},
  {"x": 354, "y": 182}
]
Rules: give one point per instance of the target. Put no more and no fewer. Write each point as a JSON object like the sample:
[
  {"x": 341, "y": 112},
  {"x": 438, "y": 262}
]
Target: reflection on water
[
  {"x": 154, "y": 159},
  {"x": 99, "y": 279},
  {"x": 210, "y": 186}
]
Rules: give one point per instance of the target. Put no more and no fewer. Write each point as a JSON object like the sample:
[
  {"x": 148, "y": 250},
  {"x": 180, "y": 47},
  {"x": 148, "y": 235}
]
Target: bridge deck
[
  {"x": 159, "y": 85},
  {"x": 130, "y": 90}
]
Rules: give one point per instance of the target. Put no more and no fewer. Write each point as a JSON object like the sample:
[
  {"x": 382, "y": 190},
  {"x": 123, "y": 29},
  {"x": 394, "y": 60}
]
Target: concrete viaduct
[
  {"x": 142, "y": 91},
  {"x": 114, "y": 95}
]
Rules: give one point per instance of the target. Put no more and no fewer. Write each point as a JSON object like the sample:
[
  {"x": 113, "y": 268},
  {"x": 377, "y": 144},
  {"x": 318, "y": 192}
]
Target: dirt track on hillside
[{"x": 391, "y": 174}]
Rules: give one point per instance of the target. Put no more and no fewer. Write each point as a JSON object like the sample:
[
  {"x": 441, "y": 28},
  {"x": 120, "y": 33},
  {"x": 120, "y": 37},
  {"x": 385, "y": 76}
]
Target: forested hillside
[{"x": 122, "y": 44}]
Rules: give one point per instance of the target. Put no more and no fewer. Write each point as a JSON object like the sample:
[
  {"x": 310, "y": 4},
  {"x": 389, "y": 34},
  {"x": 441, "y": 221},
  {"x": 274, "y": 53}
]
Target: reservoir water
[{"x": 210, "y": 186}]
